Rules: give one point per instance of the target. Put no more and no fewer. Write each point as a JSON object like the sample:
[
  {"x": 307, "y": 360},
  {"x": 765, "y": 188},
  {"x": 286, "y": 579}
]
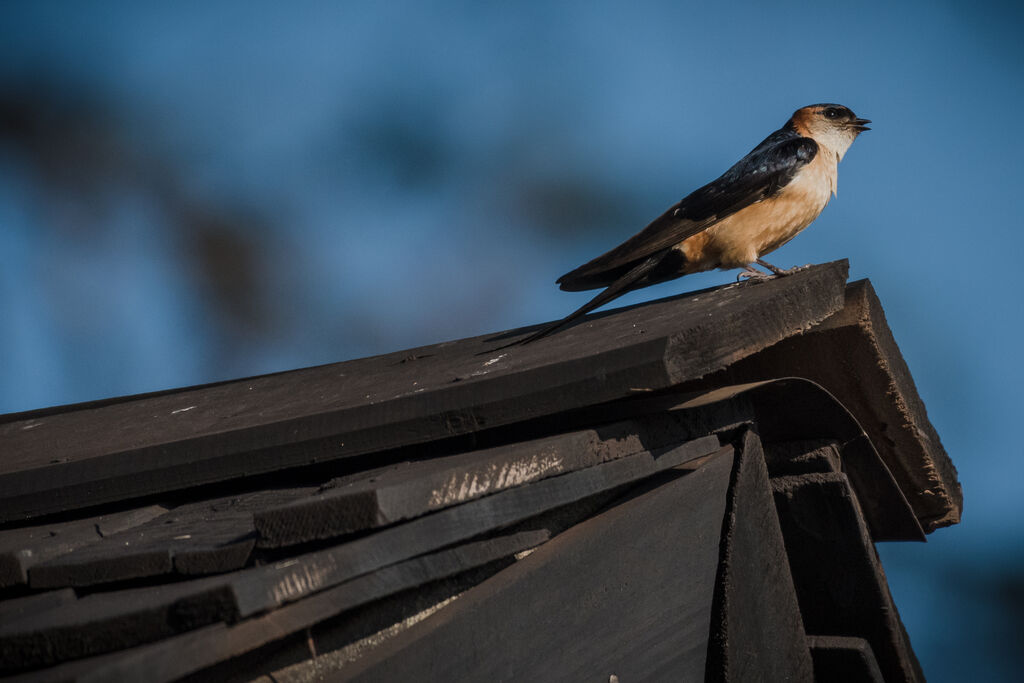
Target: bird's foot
[
  {"x": 751, "y": 274},
  {"x": 779, "y": 271}
]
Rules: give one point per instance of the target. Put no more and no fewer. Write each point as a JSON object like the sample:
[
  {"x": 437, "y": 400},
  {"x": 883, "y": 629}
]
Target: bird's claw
[
  {"x": 752, "y": 274},
  {"x": 780, "y": 271}
]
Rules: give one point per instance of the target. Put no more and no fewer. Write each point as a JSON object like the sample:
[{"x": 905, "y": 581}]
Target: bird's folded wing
[{"x": 759, "y": 175}]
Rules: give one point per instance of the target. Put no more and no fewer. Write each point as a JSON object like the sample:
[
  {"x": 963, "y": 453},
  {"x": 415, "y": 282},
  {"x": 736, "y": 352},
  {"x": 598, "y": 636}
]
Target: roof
[{"x": 171, "y": 532}]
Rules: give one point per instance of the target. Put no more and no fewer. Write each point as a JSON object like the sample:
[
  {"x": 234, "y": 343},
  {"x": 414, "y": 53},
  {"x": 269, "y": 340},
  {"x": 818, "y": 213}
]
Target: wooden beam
[{"x": 63, "y": 459}]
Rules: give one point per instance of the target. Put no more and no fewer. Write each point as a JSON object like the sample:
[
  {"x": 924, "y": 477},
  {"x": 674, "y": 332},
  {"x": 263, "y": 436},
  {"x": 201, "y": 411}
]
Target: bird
[{"x": 761, "y": 203}]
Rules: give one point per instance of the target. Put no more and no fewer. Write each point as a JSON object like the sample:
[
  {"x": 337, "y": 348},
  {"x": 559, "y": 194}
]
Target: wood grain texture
[
  {"x": 412, "y": 490},
  {"x": 625, "y": 593},
  {"x": 113, "y": 620},
  {"x": 205, "y": 537},
  {"x": 23, "y": 548},
  {"x": 103, "y": 622},
  {"x": 269, "y": 587},
  {"x": 61, "y": 459},
  {"x": 179, "y": 656}
]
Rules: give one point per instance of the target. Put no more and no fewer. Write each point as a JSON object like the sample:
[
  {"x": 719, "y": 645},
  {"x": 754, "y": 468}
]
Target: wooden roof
[{"x": 205, "y": 531}]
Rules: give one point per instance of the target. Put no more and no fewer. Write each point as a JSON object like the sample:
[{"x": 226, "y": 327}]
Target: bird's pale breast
[{"x": 748, "y": 234}]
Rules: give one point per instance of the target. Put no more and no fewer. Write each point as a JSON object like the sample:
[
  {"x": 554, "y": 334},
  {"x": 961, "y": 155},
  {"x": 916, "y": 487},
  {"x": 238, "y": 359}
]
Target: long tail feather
[{"x": 621, "y": 286}]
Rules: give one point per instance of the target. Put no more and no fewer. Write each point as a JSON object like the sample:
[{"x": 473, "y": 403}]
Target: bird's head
[{"x": 831, "y": 125}]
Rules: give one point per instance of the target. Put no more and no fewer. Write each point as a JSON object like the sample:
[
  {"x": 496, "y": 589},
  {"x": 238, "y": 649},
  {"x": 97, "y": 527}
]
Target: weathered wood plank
[
  {"x": 757, "y": 632},
  {"x": 103, "y": 622},
  {"x": 106, "y": 621},
  {"x": 25, "y": 547},
  {"x": 13, "y": 609},
  {"x": 178, "y": 656},
  {"x": 838, "y": 659},
  {"x": 269, "y": 587},
  {"x": 404, "y": 492},
  {"x": 626, "y": 593},
  {"x": 204, "y": 537},
  {"x": 197, "y": 544},
  {"x": 875, "y": 384},
  {"x": 61, "y": 460},
  {"x": 839, "y": 581}
]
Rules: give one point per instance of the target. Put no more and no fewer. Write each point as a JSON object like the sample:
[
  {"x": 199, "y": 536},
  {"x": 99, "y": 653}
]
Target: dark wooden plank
[
  {"x": 839, "y": 659},
  {"x": 105, "y": 621},
  {"x": 626, "y": 593},
  {"x": 267, "y": 588},
  {"x": 205, "y": 537},
  {"x": 13, "y": 609},
  {"x": 839, "y": 580},
  {"x": 757, "y": 633},
  {"x": 404, "y": 492},
  {"x": 24, "y": 547},
  {"x": 874, "y": 383},
  {"x": 173, "y": 658},
  {"x": 197, "y": 544},
  {"x": 91, "y": 455}
]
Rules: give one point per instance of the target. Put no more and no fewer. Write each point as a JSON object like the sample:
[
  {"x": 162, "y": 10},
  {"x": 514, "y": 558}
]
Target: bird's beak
[{"x": 859, "y": 125}]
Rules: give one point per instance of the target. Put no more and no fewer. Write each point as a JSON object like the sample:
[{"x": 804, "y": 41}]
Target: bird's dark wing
[{"x": 759, "y": 175}]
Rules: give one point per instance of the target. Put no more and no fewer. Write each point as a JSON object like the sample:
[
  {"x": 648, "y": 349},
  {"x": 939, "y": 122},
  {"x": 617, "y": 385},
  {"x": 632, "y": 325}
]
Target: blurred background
[{"x": 197, "y": 191}]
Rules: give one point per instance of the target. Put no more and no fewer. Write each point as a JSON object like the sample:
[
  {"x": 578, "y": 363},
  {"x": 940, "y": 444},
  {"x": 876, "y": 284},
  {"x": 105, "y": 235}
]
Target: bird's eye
[{"x": 831, "y": 113}]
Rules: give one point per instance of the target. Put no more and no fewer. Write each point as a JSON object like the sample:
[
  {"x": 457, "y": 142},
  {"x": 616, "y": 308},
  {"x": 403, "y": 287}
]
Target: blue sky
[{"x": 396, "y": 174}]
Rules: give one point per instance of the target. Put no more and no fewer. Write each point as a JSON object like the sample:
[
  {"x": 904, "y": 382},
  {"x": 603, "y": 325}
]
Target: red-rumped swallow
[{"x": 754, "y": 208}]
